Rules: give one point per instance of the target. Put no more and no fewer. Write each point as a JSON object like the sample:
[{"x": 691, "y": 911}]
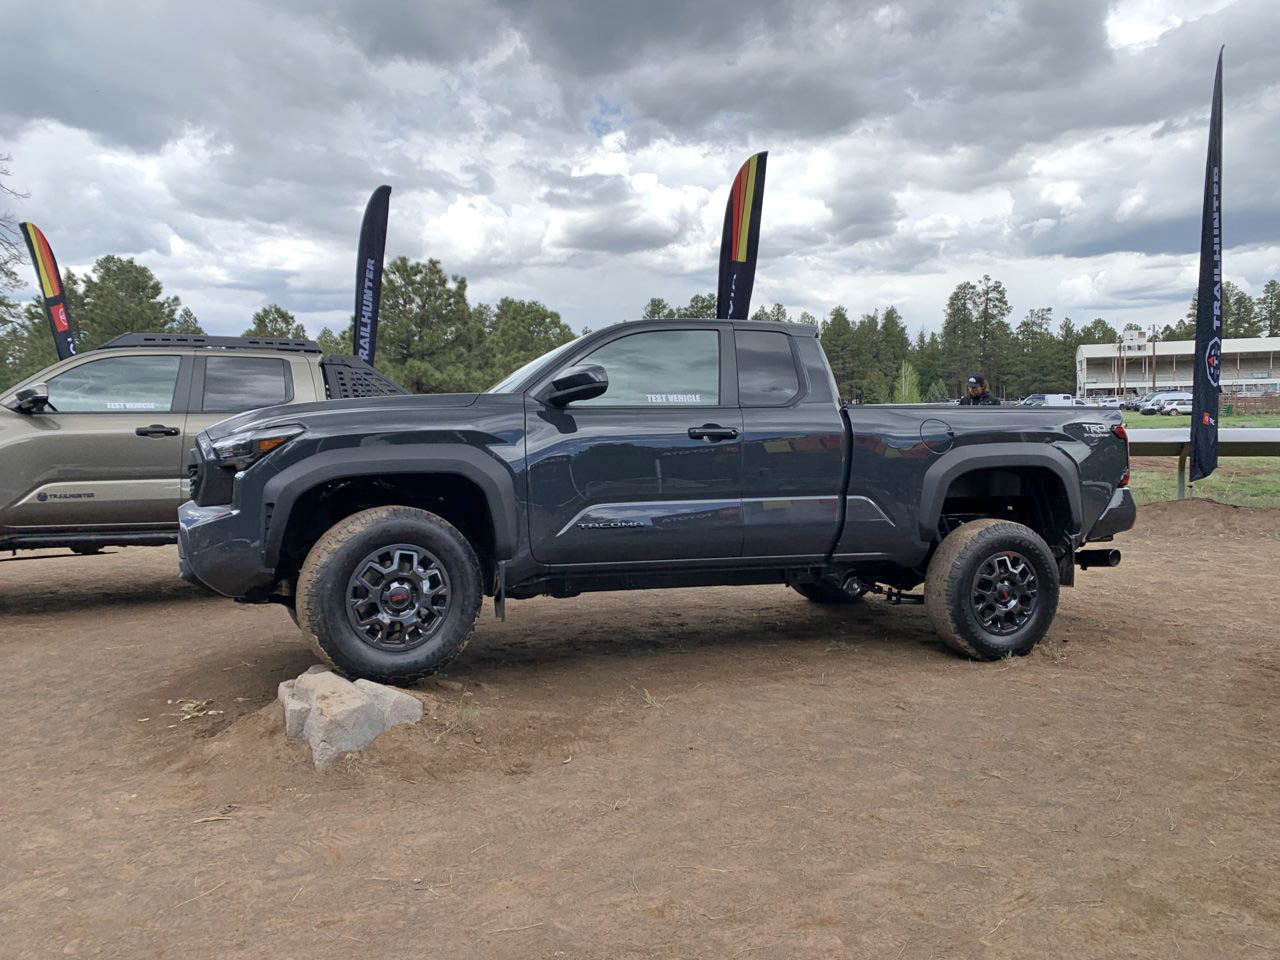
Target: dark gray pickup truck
[{"x": 652, "y": 454}]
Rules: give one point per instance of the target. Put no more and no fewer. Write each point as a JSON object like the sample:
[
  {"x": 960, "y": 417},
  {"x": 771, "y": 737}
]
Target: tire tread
[
  {"x": 943, "y": 583},
  {"x": 336, "y": 537}
]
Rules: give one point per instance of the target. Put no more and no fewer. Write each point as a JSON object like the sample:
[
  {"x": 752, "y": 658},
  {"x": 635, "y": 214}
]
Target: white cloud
[{"x": 580, "y": 153}]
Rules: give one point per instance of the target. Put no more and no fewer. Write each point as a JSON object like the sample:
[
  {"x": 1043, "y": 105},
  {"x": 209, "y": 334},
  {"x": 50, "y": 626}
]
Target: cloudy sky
[{"x": 579, "y": 151}]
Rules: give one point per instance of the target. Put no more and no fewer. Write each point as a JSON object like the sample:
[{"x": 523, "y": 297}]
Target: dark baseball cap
[{"x": 977, "y": 380}]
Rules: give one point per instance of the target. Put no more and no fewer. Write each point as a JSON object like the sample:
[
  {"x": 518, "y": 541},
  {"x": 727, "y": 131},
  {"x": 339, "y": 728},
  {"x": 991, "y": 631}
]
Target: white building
[{"x": 1249, "y": 365}]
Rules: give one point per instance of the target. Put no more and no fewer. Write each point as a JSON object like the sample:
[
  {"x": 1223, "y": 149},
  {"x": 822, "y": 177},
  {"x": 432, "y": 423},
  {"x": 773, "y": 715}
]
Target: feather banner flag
[
  {"x": 52, "y": 294},
  {"x": 373, "y": 244},
  {"x": 740, "y": 243},
  {"x": 1208, "y": 355}
]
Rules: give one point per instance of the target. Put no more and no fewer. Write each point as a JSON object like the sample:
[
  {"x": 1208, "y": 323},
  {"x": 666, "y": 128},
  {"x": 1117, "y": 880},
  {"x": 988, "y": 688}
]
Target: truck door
[
  {"x": 107, "y": 452},
  {"x": 651, "y": 469},
  {"x": 224, "y": 385},
  {"x": 792, "y": 447}
]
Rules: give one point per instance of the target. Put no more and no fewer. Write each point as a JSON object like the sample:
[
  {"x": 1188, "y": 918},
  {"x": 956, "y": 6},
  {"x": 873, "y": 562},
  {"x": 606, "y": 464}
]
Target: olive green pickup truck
[{"x": 93, "y": 450}]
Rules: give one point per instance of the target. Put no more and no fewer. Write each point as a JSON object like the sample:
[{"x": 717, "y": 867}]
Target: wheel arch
[
  {"x": 968, "y": 465},
  {"x": 421, "y": 472}
]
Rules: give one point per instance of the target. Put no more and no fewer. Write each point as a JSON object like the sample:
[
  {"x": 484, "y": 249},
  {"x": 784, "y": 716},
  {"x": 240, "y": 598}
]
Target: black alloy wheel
[
  {"x": 1005, "y": 592},
  {"x": 397, "y": 597},
  {"x": 991, "y": 589},
  {"x": 390, "y": 594}
]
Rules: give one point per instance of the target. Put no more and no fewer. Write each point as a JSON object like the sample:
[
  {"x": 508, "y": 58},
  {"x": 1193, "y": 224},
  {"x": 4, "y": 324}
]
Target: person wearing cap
[{"x": 978, "y": 395}]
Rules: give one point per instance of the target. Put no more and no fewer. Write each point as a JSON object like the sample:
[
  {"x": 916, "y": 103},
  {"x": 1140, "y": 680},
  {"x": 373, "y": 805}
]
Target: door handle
[
  {"x": 712, "y": 432},
  {"x": 157, "y": 430}
]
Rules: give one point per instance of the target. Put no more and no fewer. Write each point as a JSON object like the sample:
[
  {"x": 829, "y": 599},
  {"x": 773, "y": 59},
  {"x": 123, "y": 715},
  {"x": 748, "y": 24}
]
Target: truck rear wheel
[
  {"x": 992, "y": 589},
  {"x": 390, "y": 594}
]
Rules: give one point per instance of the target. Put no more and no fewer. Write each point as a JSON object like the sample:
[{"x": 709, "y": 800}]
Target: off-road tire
[
  {"x": 322, "y": 593},
  {"x": 949, "y": 588},
  {"x": 825, "y": 593}
]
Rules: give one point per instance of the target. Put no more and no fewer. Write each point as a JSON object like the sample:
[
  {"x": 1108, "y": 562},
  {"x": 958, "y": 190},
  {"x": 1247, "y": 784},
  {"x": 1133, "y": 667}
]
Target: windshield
[{"x": 505, "y": 385}]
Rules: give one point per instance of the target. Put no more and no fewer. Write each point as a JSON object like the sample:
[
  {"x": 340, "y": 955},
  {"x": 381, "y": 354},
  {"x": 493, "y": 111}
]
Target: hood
[{"x": 373, "y": 408}]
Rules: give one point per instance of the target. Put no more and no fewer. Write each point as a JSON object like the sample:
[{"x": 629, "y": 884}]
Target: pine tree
[
  {"x": 876, "y": 388},
  {"x": 657, "y": 309},
  {"x": 776, "y": 313},
  {"x": 906, "y": 385},
  {"x": 960, "y": 349},
  {"x": 895, "y": 343},
  {"x": 1241, "y": 316},
  {"x": 1269, "y": 308},
  {"x": 867, "y": 348},
  {"x": 837, "y": 343},
  {"x": 519, "y": 331},
  {"x": 274, "y": 320}
]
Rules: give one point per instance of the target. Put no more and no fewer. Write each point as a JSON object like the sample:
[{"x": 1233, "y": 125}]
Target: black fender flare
[
  {"x": 492, "y": 477},
  {"x": 962, "y": 460}
]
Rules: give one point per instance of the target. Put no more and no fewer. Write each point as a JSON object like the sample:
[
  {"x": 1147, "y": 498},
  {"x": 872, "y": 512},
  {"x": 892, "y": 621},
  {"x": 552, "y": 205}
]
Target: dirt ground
[{"x": 713, "y": 773}]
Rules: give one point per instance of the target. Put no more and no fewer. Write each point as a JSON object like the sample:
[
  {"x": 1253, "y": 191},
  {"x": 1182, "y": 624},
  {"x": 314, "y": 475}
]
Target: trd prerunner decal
[
  {"x": 740, "y": 242},
  {"x": 52, "y": 294},
  {"x": 1208, "y": 362},
  {"x": 373, "y": 244}
]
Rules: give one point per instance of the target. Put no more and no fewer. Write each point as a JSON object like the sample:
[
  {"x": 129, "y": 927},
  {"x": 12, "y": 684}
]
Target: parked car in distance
[
  {"x": 1177, "y": 407},
  {"x": 1050, "y": 400},
  {"x": 1156, "y": 403},
  {"x": 1109, "y": 403},
  {"x": 1138, "y": 402},
  {"x": 93, "y": 449}
]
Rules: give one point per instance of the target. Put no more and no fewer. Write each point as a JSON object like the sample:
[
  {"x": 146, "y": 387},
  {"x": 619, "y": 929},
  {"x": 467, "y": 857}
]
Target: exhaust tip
[{"x": 1098, "y": 558}]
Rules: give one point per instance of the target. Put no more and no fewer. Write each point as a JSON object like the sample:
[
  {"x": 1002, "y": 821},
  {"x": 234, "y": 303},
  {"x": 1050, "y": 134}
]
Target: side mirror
[
  {"x": 33, "y": 398},
  {"x": 582, "y": 382}
]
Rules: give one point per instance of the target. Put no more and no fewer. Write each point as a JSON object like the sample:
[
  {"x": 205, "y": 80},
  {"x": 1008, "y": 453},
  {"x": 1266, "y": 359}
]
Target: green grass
[
  {"x": 1240, "y": 481},
  {"x": 1136, "y": 420}
]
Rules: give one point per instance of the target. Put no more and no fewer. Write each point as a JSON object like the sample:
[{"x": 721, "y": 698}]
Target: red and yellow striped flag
[
  {"x": 51, "y": 291},
  {"x": 740, "y": 242}
]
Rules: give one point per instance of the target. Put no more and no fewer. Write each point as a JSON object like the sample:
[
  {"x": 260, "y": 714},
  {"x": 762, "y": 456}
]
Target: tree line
[
  {"x": 431, "y": 338},
  {"x": 876, "y": 360}
]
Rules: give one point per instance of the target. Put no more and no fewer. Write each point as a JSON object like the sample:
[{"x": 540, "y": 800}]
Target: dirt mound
[
  {"x": 1204, "y": 518},
  {"x": 461, "y": 732}
]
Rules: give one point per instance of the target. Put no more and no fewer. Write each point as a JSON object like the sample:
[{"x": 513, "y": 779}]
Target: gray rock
[
  {"x": 397, "y": 706},
  {"x": 335, "y": 716},
  {"x": 295, "y": 710}
]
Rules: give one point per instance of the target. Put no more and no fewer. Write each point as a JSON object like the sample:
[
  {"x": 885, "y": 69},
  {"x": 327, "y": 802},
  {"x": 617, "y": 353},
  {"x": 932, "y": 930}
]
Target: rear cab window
[
  {"x": 235, "y": 384},
  {"x": 767, "y": 374}
]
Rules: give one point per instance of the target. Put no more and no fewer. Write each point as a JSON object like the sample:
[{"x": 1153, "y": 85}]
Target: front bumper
[
  {"x": 219, "y": 547},
  {"x": 1120, "y": 515}
]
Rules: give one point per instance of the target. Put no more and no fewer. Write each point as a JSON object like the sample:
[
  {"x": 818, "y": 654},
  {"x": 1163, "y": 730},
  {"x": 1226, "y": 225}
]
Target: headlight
[{"x": 241, "y": 450}]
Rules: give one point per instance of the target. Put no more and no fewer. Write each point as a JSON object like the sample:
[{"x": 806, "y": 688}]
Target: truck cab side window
[
  {"x": 116, "y": 385},
  {"x": 673, "y": 368},
  {"x": 233, "y": 384},
  {"x": 766, "y": 369}
]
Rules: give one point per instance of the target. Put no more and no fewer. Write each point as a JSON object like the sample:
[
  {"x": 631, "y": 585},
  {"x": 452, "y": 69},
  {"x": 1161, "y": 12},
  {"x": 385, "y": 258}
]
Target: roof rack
[{"x": 218, "y": 343}]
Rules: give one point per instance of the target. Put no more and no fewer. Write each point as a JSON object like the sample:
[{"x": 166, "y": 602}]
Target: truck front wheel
[
  {"x": 390, "y": 594},
  {"x": 992, "y": 589}
]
